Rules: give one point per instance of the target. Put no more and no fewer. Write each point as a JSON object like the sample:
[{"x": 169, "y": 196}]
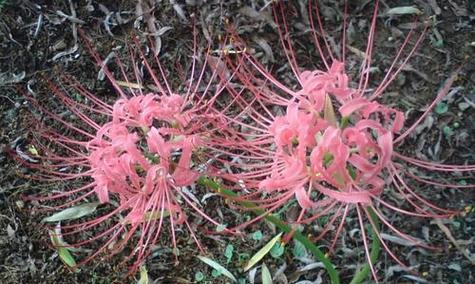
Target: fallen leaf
[
  {"x": 218, "y": 267},
  {"x": 60, "y": 245},
  {"x": 262, "y": 252},
  {"x": 265, "y": 275},
  {"x": 73, "y": 212},
  {"x": 404, "y": 10}
]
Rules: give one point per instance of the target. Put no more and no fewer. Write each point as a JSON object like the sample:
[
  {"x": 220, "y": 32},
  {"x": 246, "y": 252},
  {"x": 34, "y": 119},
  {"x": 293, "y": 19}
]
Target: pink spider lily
[
  {"x": 328, "y": 161},
  {"x": 134, "y": 154}
]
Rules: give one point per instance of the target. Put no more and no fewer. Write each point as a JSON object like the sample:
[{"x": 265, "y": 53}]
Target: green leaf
[
  {"x": 265, "y": 275},
  {"x": 221, "y": 227},
  {"x": 448, "y": 131},
  {"x": 228, "y": 252},
  {"x": 327, "y": 159},
  {"x": 277, "y": 250},
  {"x": 262, "y": 252},
  {"x": 363, "y": 273},
  {"x": 257, "y": 235},
  {"x": 73, "y": 212},
  {"x": 404, "y": 10},
  {"x": 143, "y": 275},
  {"x": 32, "y": 150},
  {"x": 243, "y": 257},
  {"x": 344, "y": 122},
  {"x": 463, "y": 106},
  {"x": 217, "y": 266},
  {"x": 437, "y": 43},
  {"x": 299, "y": 249},
  {"x": 441, "y": 108},
  {"x": 215, "y": 273},
  {"x": 199, "y": 276},
  {"x": 60, "y": 246},
  {"x": 317, "y": 252}
]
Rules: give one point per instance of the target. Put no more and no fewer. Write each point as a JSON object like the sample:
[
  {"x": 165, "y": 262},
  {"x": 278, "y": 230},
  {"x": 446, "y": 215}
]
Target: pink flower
[
  {"x": 317, "y": 84},
  {"x": 329, "y": 161},
  {"x": 295, "y": 127},
  {"x": 136, "y": 153}
]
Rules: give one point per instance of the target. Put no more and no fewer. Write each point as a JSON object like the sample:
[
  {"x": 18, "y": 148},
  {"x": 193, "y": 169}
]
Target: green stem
[
  {"x": 361, "y": 275},
  {"x": 279, "y": 224}
]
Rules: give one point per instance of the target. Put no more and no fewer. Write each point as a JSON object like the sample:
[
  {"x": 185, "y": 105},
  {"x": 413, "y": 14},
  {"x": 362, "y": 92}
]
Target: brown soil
[{"x": 36, "y": 38}]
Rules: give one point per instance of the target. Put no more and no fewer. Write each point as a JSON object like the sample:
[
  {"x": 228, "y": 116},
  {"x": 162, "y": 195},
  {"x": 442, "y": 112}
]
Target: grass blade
[
  {"x": 361, "y": 275},
  {"x": 143, "y": 275},
  {"x": 262, "y": 252},
  {"x": 334, "y": 278}
]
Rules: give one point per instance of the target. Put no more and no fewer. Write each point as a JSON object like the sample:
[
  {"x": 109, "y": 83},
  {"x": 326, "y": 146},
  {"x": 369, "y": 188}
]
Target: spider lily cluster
[{"x": 327, "y": 143}]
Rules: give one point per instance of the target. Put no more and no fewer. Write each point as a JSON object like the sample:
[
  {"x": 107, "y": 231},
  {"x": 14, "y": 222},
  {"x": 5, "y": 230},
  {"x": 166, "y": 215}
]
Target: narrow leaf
[
  {"x": 129, "y": 85},
  {"x": 404, "y": 10},
  {"x": 73, "y": 212},
  {"x": 63, "y": 251},
  {"x": 332, "y": 272},
  {"x": 218, "y": 267},
  {"x": 143, "y": 275},
  {"x": 329, "y": 112},
  {"x": 265, "y": 275},
  {"x": 262, "y": 252},
  {"x": 363, "y": 273}
]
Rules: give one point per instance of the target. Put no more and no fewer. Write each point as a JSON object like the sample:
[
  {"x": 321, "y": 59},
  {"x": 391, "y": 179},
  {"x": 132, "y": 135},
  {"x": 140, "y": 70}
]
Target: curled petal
[
  {"x": 346, "y": 197},
  {"x": 102, "y": 193},
  {"x": 385, "y": 143},
  {"x": 353, "y": 105},
  {"x": 303, "y": 199}
]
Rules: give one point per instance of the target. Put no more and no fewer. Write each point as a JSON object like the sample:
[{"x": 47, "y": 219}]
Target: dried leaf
[
  {"x": 452, "y": 239},
  {"x": 404, "y": 10},
  {"x": 455, "y": 266},
  {"x": 143, "y": 275},
  {"x": 415, "y": 278},
  {"x": 73, "y": 212},
  {"x": 265, "y": 47},
  {"x": 311, "y": 266},
  {"x": 329, "y": 112},
  {"x": 10, "y": 231},
  {"x": 219, "y": 67},
  {"x": 129, "y": 85},
  {"x": 11, "y": 78},
  {"x": 399, "y": 241},
  {"x": 390, "y": 271}
]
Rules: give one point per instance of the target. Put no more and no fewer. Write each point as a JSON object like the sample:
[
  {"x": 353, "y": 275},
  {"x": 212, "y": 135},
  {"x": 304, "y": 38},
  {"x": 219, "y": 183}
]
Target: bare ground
[{"x": 38, "y": 38}]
